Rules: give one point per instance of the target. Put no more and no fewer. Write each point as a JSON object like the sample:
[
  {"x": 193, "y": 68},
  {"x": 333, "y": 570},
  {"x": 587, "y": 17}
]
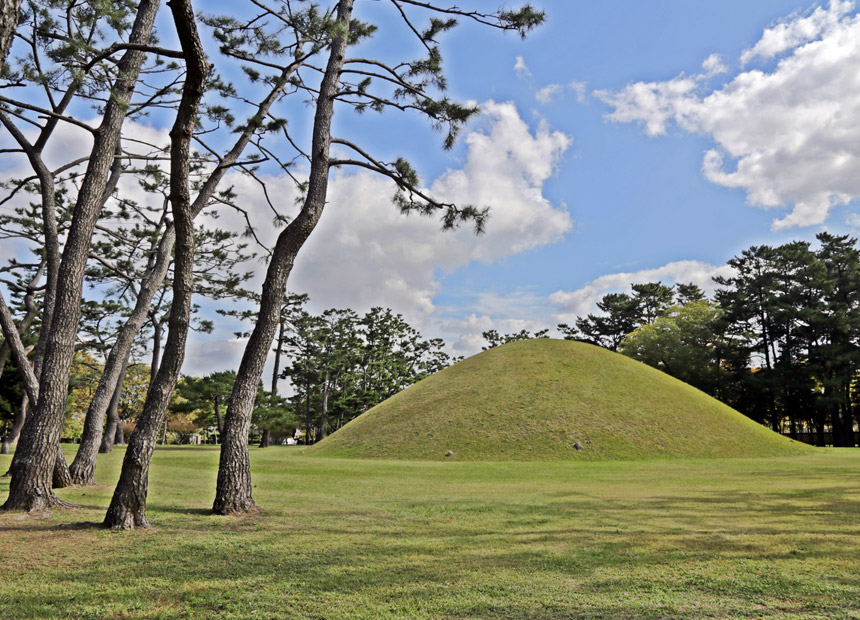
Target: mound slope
[{"x": 533, "y": 400}]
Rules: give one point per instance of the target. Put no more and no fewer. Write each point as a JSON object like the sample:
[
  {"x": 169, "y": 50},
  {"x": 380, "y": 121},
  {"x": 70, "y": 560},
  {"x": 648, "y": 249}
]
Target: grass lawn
[
  {"x": 533, "y": 400},
  {"x": 734, "y": 538}
]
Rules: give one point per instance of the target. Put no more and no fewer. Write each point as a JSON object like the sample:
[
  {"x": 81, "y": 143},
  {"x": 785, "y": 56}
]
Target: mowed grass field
[{"x": 733, "y": 538}]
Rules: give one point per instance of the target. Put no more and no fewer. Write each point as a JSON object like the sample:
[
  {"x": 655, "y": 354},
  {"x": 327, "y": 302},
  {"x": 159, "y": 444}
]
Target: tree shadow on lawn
[
  {"x": 154, "y": 509},
  {"x": 314, "y": 569},
  {"x": 716, "y": 554}
]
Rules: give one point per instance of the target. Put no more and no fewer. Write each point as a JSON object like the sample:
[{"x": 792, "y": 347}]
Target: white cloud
[
  {"x": 364, "y": 252},
  {"x": 654, "y": 104},
  {"x": 462, "y": 326},
  {"x": 550, "y": 92},
  {"x": 713, "y": 65},
  {"x": 579, "y": 88},
  {"x": 465, "y": 334},
  {"x": 547, "y": 93},
  {"x": 796, "y": 30},
  {"x": 790, "y": 134},
  {"x": 570, "y": 304},
  {"x": 207, "y": 354},
  {"x": 521, "y": 69}
]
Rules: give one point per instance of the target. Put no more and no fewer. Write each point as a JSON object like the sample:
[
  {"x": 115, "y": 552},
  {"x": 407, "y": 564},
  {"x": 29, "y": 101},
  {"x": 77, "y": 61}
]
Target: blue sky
[
  {"x": 620, "y": 142},
  {"x": 614, "y": 117}
]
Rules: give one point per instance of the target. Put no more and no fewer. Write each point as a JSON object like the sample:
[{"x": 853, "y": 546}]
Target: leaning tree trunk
[
  {"x": 128, "y": 506},
  {"x": 33, "y": 464},
  {"x": 113, "y": 422},
  {"x": 233, "y": 490}
]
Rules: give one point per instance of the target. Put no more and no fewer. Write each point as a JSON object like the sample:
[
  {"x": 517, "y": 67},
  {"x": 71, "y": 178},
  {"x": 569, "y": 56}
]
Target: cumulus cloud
[
  {"x": 570, "y": 304},
  {"x": 797, "y": 30},
  {"x": 654, "y": 104},
  {"x": 787, "y": 137},
  {"x": 364, "y": 252}
]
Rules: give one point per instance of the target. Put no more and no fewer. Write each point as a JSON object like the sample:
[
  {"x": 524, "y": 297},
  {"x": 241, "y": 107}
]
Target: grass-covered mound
[{"x": 534, "y": 400}]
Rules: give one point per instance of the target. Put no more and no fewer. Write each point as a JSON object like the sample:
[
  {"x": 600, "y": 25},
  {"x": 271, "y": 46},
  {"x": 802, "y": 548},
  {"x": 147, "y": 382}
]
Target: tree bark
[
  {"x": 128, "y": 506},
  {"x": 233, "y": 490},
  {"x": 113, "y": 422},
  {"x": 24, "y": 324},
  {"x": 33, "y": 463},
  {"x": 61, "y": 477},
  {"x": 156, "y": 347},
  {"x": 265, "y": 440},
  {"x": 12, "y": 438},
  {"x": 9, "y": 10}
]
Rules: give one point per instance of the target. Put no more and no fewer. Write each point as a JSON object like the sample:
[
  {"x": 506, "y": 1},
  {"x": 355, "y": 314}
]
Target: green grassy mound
[{"x": 533, "y": 400}]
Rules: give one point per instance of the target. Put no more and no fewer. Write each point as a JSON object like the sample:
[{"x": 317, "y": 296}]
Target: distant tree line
[
  {"x": 780, "y": 340},
  {"x": 338, "y": 364}
]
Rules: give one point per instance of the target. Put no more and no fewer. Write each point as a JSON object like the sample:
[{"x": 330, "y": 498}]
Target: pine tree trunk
[
  {"x": 33, "y": 463},
  {"x": 128, "y": 505},
  {"x": 156, "y": 347},
  {"x": 62, "y": 478},
  {"x": 109, "y": 435},
  {"x": 10, "y": 439},
  {"x": 264, "y": 440},
  {"x": 233, "y": 489},
  {"x": 113, "y": 421},
  {"x": 83, "y": 467}
]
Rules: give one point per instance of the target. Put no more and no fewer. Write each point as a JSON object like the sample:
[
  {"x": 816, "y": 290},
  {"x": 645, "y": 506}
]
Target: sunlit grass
[
  {"x": 734, "y": 538},
  {"x": 534, "y": 400}
]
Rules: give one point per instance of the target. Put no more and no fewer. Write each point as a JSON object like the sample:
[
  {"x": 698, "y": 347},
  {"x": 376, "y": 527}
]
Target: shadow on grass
[
  {"x": 179, "y": 510},
  {"x": 543, "y": 554},
  {"x": 717, "y": 555}
]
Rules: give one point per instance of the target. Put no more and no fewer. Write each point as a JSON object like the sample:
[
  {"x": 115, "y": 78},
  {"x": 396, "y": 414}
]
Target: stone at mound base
[{"x": 536, "y": 399}]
